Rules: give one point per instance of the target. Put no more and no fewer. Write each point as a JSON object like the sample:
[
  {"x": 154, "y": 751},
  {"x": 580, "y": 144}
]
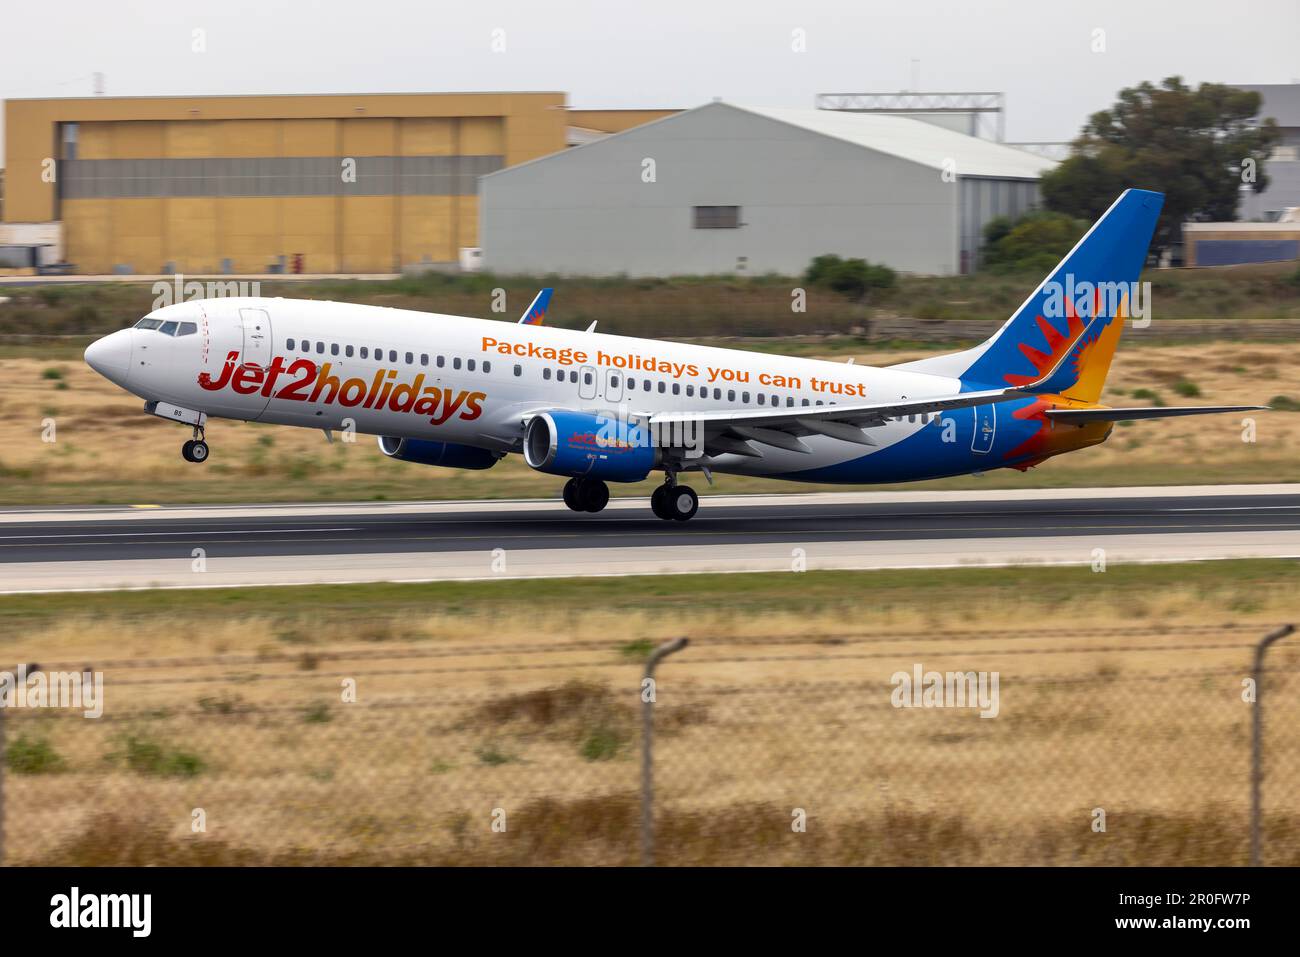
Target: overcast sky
[{"x": 654, "y": 53}]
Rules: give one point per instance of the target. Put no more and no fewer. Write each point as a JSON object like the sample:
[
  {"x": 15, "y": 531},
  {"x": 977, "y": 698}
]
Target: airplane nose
[{"x": 110, "y": 355}]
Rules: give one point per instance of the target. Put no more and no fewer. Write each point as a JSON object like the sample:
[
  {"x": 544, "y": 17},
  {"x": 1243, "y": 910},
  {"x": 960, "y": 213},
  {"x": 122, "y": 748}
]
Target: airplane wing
[
  {"x": 535, "y": 314},
  {"x": 732, "y": 430}
]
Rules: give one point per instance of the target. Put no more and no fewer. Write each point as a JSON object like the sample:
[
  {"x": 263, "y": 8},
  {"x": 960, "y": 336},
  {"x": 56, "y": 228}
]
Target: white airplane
[{"x": 463, "y": 393}]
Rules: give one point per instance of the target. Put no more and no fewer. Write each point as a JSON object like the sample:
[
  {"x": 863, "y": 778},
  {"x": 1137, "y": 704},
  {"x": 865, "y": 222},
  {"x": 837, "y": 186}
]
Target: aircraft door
[
  {"x": 615, "y": 384},
  {"x": 257, "y": 337},
  {"x": 587, "y": 383},
  {"x": 256, "y": 324}
]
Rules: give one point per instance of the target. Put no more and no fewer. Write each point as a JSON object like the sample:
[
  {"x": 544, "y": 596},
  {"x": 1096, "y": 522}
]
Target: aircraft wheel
[
  {"x": 198, "y": 450},
  {"x": 682, "y": 503},
  {"x": 187, "y": 450},
  {"x": 571, "y": 495},
  {"x": 593, "y": 494},
  {"x": 658, "y": 502}
]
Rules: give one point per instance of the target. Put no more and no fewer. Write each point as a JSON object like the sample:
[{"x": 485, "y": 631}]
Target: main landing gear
[
  {"x": 196, "y": 449},
  {"x": 586, "y": 495},
  {"x": 673, "y": 502}
]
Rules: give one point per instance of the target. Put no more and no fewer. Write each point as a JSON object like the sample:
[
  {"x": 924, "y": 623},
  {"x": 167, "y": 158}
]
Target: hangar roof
[
  {"x": 914, "y": 140},
  {"x": 1281, "y": 101}
]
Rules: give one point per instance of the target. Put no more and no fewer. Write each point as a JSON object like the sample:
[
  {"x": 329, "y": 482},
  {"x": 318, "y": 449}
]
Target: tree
[
  {"x": 851, "y": 277},
  {"x": 1198, "y": 147},
  {"x": 1035, "y": 242}
]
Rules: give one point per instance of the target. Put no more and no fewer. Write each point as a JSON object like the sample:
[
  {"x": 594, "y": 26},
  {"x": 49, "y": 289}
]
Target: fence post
[
  {"x": 4, "y": 764},
  {"x": 1257, "y": 739},
  {"x": 648, "y": 696}
]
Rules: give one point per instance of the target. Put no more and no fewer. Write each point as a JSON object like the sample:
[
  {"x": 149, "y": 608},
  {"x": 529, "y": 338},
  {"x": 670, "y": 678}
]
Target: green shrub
[
  {"x": 1187, "y": 390},
  {"x": 1035, "y": 242},
  {"x": 32, "y": 756},
  {"x": 148, "y": 757},
  {"x": 854, "y": 278},
  {"x": 602, "y": 744}
]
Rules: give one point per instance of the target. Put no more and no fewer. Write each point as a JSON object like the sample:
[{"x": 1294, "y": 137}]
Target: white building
[{"x": 726, "y": 189}]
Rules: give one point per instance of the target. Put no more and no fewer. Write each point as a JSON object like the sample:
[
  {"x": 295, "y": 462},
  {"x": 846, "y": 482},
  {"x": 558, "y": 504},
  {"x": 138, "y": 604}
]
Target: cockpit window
[
  {"x": 168, "y": 328},
  {"x": 187, "y": 328},
  {"x": 148, "y": 324}
]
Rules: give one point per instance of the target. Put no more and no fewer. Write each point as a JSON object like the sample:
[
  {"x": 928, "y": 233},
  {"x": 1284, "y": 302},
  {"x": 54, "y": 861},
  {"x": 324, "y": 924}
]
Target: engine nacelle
[
  {"x": 447, "y": 454},
  {"x": 585, "y": 444}
]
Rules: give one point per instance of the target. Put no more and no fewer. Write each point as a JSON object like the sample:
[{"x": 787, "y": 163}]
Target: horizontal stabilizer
[{"x": 1080, "y": 416}]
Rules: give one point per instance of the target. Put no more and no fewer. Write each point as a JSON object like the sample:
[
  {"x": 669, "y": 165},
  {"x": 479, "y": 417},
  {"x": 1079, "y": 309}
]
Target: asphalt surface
[{"x": 358, "y": 530}]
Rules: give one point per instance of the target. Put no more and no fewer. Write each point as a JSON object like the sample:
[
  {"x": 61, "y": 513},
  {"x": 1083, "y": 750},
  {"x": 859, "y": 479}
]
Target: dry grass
[
  {"x": 1120, "y": 691},
  {"x": 107, "y": 450}
]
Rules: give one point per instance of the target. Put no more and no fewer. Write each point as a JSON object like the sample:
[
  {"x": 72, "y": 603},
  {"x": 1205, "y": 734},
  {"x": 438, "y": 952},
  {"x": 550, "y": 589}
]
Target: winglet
[{"x": 535, "y": 314}]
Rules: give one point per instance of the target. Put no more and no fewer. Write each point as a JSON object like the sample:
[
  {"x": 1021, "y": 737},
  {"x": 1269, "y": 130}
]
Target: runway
[{"x": 214, "y": 546}]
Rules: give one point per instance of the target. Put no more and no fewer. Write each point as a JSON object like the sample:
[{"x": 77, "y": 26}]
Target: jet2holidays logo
[
  {"x": 30, "y": 687},
  {"x": 307, "y": 382}
]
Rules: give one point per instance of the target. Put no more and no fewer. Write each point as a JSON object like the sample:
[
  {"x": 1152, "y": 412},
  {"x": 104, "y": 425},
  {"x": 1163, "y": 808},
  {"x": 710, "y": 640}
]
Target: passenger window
[
  {"x": 546, "y": 373},
  {"x": 424, "y": 359},
  {"x": 731, "y": 395},
  {"x": 613, "y": 382},
  {"x": 365, "y": 352},
  {"x": 819, "y": 402},
  {"x": 519, "y": 370},
  {"x": 789, "y": 401},
  {"x": 662, "y": 387},
  {"x": 677, "y": 388},
  {"x": 187, "y": 329},
  {"x": 288, "y": 344},
  {"x": 717, "y": 393},
  {"x": 347, "y": 351},
  {"x": 455, "y": 363},
  {"x": 334, "y": 348},
  {"x": 320, "y": 348},
  {"x": 805, "y": 401},
  {"x": 631, "y": 384},
  {"x": 586, "y": 378},
  {"x": 745, "y": 398},
  {"x": 487, "y": 366},
  {"x": 690, "y": 390},
  {"x": 410, "y": 359},
  {"x": 392, "y": 355},
  {"x": 645, "y": 384},
  {"x": 441, "y": 362},
  {"x": 761, "y": 399}
]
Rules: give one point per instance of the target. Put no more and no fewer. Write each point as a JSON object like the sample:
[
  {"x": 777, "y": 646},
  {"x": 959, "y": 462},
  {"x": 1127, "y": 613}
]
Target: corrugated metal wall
[{"x": 983, "y": 200}]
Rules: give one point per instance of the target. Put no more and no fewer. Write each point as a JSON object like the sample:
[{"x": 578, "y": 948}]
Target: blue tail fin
[{"x": 535, "y": 314}]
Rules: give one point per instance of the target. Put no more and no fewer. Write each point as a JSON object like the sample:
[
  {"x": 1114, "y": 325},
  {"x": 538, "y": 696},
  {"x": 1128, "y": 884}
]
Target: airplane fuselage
[{"x": 406, "y": 374}]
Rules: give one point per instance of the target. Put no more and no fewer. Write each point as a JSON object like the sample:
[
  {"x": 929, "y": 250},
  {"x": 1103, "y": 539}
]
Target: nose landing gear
[
  {"x": 586, "y": 495},
  {"x": 196, "y": 449}
]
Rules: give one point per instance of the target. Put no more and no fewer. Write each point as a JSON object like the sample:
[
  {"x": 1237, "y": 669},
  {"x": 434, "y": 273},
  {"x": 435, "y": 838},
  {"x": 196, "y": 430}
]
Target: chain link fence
[{"x": 777, "y": 756}]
